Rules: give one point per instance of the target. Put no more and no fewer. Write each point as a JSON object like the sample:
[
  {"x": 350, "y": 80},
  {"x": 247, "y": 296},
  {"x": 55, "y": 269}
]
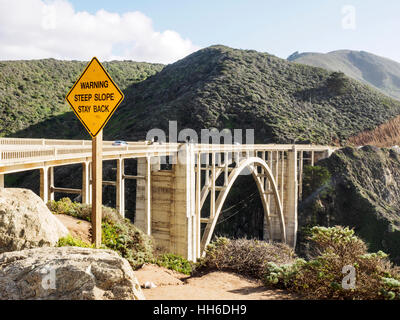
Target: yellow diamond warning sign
[{"x": 94, "y": 97}]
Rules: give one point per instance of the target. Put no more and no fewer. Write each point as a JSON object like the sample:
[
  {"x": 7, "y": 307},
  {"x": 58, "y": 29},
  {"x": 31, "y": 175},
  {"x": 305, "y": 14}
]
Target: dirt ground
[
  {"x": 76, "y": 227},
  {"x": 215, "y": 285},
  {"x": 172, "y": 285}
]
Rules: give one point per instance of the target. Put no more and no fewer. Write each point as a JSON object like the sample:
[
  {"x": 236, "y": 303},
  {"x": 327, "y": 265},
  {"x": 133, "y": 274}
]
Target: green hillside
[
  {"x": 214, "y": 87},
  {"x": 228, "y": 88},
  {"x": 33, "y": 91},
  {"x": 379, "y": 72}
]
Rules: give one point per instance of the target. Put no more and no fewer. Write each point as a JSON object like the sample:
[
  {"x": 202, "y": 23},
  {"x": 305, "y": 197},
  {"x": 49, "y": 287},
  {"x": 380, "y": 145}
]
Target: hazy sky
[{"x": 164, "y": 31}]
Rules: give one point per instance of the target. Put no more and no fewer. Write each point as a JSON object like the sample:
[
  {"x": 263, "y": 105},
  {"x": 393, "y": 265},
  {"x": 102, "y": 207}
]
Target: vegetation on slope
[
  {"x": 361, "y": 190},
  {"x": 117, "y": 233},
  {"x": 120, "y": 235},
  {"x": 32, "y": 91},
  {"x": 322, "y": 276},
  {"x": 381, "y": 73},
  {"x": 224, "y": 88},
  {"x": 228, "y": 88},
  {"x": 341, "y": 268}
]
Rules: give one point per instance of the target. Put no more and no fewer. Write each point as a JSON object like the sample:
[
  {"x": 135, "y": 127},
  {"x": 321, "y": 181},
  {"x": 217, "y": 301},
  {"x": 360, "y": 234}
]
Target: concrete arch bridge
[{"x": 170, "y": 202}]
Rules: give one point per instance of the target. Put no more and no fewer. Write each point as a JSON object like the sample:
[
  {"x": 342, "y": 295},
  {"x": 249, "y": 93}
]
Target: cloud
[{"x": 34, "y": 29}]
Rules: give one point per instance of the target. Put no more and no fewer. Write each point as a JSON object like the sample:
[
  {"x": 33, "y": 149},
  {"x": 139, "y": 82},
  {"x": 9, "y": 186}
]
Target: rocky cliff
[{"x": 361, "y": 189}]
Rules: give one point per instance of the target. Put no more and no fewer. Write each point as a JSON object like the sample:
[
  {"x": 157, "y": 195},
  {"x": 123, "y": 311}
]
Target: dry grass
[
  {"x": 246, "y": 257},
  {"x": 385, "y": 135}
]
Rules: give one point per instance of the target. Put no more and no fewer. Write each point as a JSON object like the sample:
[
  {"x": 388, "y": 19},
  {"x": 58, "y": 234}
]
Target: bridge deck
[{"x": 29, "y": 154}]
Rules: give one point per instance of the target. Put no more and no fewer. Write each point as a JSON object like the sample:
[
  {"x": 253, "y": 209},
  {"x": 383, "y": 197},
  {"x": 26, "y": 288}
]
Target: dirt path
[
  {"x": 172, "y": 285},
  {"x": 215, "y": 285}
]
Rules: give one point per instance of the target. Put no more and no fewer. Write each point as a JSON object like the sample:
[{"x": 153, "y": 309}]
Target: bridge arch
[{"x": 253, "y": 163}]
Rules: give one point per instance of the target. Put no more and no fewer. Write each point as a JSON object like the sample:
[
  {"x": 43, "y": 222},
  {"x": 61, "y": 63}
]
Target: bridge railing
[
  {"x": 19, "y": 153},
  {"x": 16, "y": 150},
  {"x": 42, "y": 142},
  {"x": 57, "y": 142}
]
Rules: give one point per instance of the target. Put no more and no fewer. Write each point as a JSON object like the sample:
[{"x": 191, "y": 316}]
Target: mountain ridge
[
  {"x": 230, "y": 88},
  {"x": 379, "y": 72},
  {"x": 221, "y": 87}
]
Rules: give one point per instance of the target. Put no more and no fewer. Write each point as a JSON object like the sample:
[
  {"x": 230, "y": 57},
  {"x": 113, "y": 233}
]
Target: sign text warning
[{"x": 94, "y": 97}]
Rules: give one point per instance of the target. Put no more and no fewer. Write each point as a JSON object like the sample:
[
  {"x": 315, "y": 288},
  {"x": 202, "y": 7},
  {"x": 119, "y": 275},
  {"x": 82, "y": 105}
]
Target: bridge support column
[
  {"x": 183, "y": 233},
  {"x": 51, "y": 183},
  {"x": 86, "y": 183},
  {"x": 44, "y": 184},
  {"x": 291, "y": 198},
  {"x": 1, "y": 180},
  {"x": 143, "y": 217},
  {"x": 143, "y": 196},
  {"x": 120, "y": 188}
]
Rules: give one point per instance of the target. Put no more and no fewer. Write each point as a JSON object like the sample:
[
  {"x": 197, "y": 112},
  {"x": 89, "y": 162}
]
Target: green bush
[
  {"x": 118, "y": 234},
  {"x": 73, "y": 242},
  {"x": 81, "y": 210},
  {"x": 66, "y": 206},
  {"x": 338, "y": 83},
  {"x": 175, "y": 262},
  {"x": 322, "y": 276},
  {"x": 283, "y": 275},
  {"x": 129, "y": 241}
]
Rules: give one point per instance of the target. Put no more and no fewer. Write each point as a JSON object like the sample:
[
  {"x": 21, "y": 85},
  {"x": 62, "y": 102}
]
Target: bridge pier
[
  {"x": 86, "y": 190},
  {"x": 120, "y": 188},
  {"x": 165, "y": 203},
  {"x": 47, "y": 183},
  {"x": 143, "y": 214},
  {"x": 183, "y": 220},
  {"x": 291, "y": 198}
]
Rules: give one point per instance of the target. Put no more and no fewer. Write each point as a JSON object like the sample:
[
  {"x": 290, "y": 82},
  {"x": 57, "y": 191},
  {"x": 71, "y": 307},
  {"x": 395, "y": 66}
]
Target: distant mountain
[{"x": 379, "y": 72}]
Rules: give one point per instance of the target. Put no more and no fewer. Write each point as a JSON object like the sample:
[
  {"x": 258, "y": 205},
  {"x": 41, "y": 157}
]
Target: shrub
[
  {"x": 73, "y": 242},
  {"x": 175, "y": 262},
  {"x": 247, "y": 257},
  {"x": 81, "y": 210},
  {"x": 66, "y": 206},
  {"x": 322, "y": 277},
  {"x": 118, "y": 234},
  {"x": 129, "y": 241},
  {"x": 282, "y": 276},
  {"x": 338, "y": 82}
]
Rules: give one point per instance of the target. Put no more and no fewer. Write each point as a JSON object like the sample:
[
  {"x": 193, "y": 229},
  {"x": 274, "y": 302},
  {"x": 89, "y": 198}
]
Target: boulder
[
  {"x": 67, "y": 273},
  {"x": 26, "y": 222}
]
